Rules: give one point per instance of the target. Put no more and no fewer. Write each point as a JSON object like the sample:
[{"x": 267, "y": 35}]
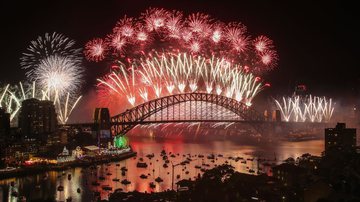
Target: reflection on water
[{"x": 44, "y": 186}]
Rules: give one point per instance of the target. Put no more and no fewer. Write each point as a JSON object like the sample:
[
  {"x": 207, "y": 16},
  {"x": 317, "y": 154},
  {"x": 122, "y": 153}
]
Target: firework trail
[
  {"x": 12, "y": 96},
  {"x": 179, "y": 73},
  {"x": 303, "y": 109}
]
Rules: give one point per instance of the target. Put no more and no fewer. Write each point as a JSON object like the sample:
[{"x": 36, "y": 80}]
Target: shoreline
[{"x": 21, "y": 172}]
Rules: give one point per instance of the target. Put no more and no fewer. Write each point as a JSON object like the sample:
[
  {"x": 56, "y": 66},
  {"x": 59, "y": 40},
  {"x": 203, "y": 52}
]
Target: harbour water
[{"x": 80, "y": 185}]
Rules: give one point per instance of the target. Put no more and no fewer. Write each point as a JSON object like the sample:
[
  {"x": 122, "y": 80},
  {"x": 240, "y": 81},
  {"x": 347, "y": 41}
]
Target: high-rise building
[
  {"x": 4, "y": 123},
  {"x": 340, "y": 139},
  {"x": 37, "y": 119}
]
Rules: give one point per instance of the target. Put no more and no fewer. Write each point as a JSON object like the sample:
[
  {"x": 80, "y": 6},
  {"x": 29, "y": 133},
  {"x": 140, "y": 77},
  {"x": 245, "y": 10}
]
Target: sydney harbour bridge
[{"x": 190, "y": 108}]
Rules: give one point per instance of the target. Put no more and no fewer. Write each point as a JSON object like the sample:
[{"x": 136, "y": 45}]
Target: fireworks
[
  {"x": 168, "y": 74},
  {"x": 171, "y": 31},
  {"x": 311, "y": 109},
  {"x": 12, "y": 96},
  {"x": 58, "y": 75},
  {"x": 54, "y": 63}
]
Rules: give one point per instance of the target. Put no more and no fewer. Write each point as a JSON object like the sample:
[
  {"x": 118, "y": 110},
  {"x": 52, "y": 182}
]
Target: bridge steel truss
[{"x": 124, "y": 122}]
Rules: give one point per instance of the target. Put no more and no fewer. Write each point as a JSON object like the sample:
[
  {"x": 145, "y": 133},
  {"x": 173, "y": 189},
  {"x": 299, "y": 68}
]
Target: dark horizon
[{"x": 316, "y": 41}]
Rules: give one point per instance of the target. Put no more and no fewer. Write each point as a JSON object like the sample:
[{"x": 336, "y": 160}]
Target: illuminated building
[
  {"x": 340, "y": 139},
  {"x": 37, "y": 118}
]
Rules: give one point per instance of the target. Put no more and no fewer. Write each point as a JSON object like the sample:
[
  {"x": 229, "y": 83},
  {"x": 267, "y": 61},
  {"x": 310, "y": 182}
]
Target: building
[
  {"x": 37, "y": 119},
  {"x": 340, "y": 139},
  {"x": 4, "y": 123},
  {"x": 289, "y": 174}
]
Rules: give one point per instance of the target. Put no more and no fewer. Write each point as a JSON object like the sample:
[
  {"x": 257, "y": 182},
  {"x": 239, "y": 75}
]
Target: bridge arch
[{"x": 124, "y": 122}]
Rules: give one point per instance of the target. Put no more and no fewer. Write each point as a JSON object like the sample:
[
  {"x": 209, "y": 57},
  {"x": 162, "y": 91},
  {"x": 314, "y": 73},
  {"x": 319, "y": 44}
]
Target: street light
[{"x": 172, "y": 181}]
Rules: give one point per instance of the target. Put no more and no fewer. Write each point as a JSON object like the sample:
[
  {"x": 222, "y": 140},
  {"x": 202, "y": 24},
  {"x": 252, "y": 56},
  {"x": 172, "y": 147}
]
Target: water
[{"x": 43, "y": 186}]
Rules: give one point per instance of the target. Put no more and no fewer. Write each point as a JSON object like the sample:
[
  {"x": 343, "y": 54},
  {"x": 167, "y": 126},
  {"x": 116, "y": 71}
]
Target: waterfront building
[
  {"x": 340, "y": 139},
  {"x": 37, "y": 119},
  {"x": 65, "y": 156}
]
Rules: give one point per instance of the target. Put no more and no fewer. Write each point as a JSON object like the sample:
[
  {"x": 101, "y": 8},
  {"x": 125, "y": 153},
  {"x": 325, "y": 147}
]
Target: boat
[
  {"x": 150, "y": 156},
  {"x": 60, "y": 188},
  {"x": 211, "y": 156},
  {"x": 142, "y": 176},
  {"x": 197, "y": 167},
  {"x": 101, "y": 178},
  {"x": 152, "y": 185},
  {"x": 158, "y": 179},
  {"x": 106, "y": 188},
  {"x": 116, "y": 179},
  {"x": 125, "y": 182},
  {"x": 69, "y": 176},
  {"x": 141, "y": 165},
  {"x": 95, "y": 183},
  {"x": 78, "y": 190}
]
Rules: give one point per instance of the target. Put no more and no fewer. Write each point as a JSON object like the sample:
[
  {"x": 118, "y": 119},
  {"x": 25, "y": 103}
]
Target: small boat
[
  {"x": 106, "y": 188},
  {"x": 78, "y": 190},
  {"x": 125, "y": 182},
  {"x": 116, "y": 179},
  {"x": 60, "y": 188},
  {"x": 197, "y": 167},
  {"x": 69, "y": 176},
  {"x": 158, "y": 179},
  {"x": 141, "y": 165},
  {"x": 142, "y": 176},
  {"x": 150, "y": 156},
  {"x": 152, "y": 185},
  {"x": 101, "y": 178},
  {"x": 211, "y": 156},
  {"x": 95, "y": 183}
]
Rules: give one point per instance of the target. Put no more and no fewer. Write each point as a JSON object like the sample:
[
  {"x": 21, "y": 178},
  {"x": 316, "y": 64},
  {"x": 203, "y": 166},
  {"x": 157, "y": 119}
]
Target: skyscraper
[{"x": 37, "y": 119}]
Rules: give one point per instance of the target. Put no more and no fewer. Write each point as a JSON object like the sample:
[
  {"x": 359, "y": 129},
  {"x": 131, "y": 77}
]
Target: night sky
[{"x": 316, "y": 41}]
